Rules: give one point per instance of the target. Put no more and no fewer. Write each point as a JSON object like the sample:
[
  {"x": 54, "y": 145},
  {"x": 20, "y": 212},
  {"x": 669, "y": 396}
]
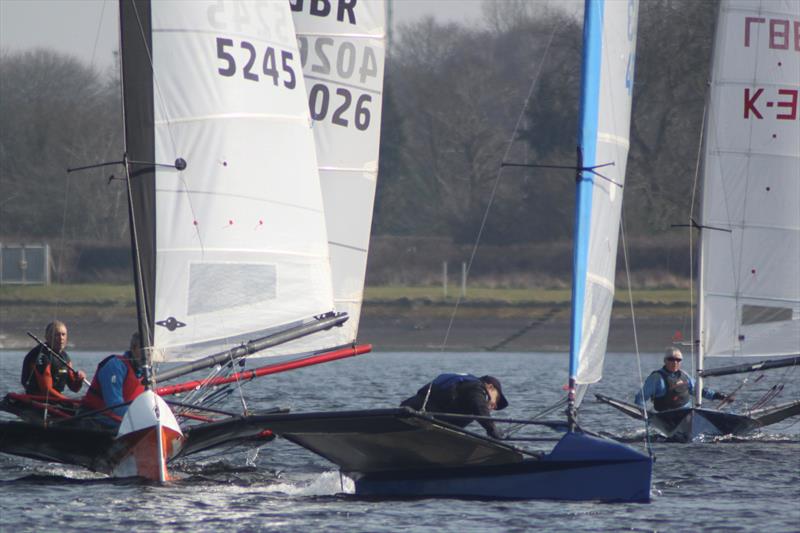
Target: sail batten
[{"x": 750, "y": 276}]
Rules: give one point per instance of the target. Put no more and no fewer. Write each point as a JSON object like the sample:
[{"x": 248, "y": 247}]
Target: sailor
[
  {"x": 461, "y": 394},
  {"x": 669, "y": 387},
  {"x": 47, "y": 368},
  {"x": 118, "y": 380}
]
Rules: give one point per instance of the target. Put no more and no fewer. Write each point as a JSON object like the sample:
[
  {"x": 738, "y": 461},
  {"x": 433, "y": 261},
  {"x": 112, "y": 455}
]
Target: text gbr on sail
[
  {"x": 784, "y": 34},
  {"x": 322, "y": 8}
]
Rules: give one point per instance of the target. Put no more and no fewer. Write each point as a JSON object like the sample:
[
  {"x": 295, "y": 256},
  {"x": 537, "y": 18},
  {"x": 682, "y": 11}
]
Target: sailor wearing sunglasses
[{"x": 669, "y": 387}]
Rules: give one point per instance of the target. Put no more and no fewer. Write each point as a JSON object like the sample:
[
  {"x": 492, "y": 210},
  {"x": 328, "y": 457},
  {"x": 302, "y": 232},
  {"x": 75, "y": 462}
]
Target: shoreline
[{"x": 417, "y": 327}]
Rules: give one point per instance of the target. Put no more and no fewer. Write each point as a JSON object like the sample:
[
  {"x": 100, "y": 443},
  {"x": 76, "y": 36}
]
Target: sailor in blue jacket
[{"x": 669, "y": 387}]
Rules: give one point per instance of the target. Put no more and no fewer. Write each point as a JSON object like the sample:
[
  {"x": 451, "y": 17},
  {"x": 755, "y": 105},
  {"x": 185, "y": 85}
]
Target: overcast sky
[{"x": 88, "y": 28}]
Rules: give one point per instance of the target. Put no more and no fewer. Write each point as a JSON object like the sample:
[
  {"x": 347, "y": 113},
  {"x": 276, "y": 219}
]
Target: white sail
[
  {"x": 342, "y": 46},
  {"x": 610, "y": 48},
  {"x": 241, "y": 243},
  {"x": 750, "y": 271}
]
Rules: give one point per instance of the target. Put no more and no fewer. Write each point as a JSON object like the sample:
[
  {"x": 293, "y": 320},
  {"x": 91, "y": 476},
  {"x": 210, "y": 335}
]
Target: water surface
[{"x": 727, "y": 484}]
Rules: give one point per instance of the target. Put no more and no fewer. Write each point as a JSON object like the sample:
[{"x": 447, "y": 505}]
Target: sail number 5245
[{"x": 250, "y": 71}]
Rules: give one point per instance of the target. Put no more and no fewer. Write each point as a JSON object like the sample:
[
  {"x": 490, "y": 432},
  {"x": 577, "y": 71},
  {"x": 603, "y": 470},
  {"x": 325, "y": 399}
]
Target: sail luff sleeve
[
  {"x": 587, "y": 135},
  {"x": 137, "y": 82}
]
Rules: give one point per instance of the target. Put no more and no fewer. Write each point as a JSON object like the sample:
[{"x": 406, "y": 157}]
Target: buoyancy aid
[
  {"x": 447, "y": 381},
  {"x": 677, "y": 394},
  {"x": 58, "y": 370},
  {"x": 131, "y": 387}
]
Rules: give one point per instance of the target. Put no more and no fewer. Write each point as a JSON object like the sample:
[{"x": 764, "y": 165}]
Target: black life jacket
[
  {"x": 58, "y": 371},
  {"x": 677, "y": 394},
  {"x": 28, "y": 367}
]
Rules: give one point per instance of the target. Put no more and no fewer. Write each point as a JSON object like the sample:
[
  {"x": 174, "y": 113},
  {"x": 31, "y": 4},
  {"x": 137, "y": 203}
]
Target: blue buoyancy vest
[{"x": 444, "y": 382}]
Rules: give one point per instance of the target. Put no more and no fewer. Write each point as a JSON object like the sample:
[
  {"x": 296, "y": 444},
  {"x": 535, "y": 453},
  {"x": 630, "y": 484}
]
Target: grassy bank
[
  {"x": 101, "y": 316},
  {"x": 122, "y": 295}
]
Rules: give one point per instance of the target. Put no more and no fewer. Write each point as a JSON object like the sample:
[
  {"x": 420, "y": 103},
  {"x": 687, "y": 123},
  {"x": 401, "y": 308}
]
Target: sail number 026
[{"x": 319, "y": 97}]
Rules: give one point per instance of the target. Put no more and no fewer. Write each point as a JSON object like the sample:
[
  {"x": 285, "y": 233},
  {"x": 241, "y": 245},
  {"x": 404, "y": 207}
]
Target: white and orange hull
[{"x": 149, "y": 436}]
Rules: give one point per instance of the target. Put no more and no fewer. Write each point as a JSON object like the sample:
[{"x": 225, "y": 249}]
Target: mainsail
[
  {"x": 342, "y": 47},
  {"x": 234, "y": 245},
  {"x": 609, "y": 53},
  {"x": 750, "y": 250}
]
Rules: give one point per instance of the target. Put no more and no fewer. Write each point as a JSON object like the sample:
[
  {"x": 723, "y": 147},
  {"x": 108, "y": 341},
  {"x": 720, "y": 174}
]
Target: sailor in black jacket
[{"x": 462, "y": 394}]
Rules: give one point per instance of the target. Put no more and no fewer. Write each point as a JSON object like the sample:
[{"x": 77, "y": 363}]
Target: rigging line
[
  {"x": 694, "y": 336},
  {"x": 238, "y": 381},
  {"x": 201, "y": 394},
  {"x": 62, "y": 245},
  {"x": 97, "y": 34},
  {"x": 493, "y": 194},
  {"x": 635, "y": 332}
]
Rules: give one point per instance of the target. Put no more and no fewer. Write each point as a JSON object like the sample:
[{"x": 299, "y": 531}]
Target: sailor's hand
[
  {"x": 81, "y": 375},
  {"x": 499, "y": 435}
]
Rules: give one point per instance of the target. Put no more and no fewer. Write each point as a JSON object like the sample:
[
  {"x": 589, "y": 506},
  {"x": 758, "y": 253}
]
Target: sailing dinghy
[
  {"x": 228, "y": 231},
  {"x": 401, "y": 452},
  {"x": 749, "y": 286}
]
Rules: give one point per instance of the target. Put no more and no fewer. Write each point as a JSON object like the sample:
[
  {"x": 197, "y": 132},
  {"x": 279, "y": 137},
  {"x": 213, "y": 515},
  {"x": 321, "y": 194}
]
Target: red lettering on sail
[
  {"x": 797, "y": 35},
  {"x": 749, "y": 103},
  {"x": 779, "y": 34},
  {"x": 784, "y": 34},
  {"x": 791, "y": 104},
  {"x": 747, "y": 22}
]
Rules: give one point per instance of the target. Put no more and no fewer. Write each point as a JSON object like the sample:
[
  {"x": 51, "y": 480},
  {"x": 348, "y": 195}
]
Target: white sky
[{"x": 74, "y": 26}]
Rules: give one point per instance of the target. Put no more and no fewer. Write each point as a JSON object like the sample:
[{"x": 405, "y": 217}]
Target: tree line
[{"x": 453, "y": 98}]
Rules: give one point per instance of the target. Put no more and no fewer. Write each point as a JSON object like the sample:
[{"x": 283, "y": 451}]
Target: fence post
[
  {"x": 463, "y": 279},
  {"x": 444, "y": 278}
]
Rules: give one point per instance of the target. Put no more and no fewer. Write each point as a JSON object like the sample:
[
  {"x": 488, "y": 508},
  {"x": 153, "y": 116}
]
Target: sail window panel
[
  {"x": 243, "y": 299},
  {"x": 762, "y": 314},
  {"x": 216, "y": 287}
]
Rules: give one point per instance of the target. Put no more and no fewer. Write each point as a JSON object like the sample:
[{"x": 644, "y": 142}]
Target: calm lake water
[{"x": 731, "y": 484}]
